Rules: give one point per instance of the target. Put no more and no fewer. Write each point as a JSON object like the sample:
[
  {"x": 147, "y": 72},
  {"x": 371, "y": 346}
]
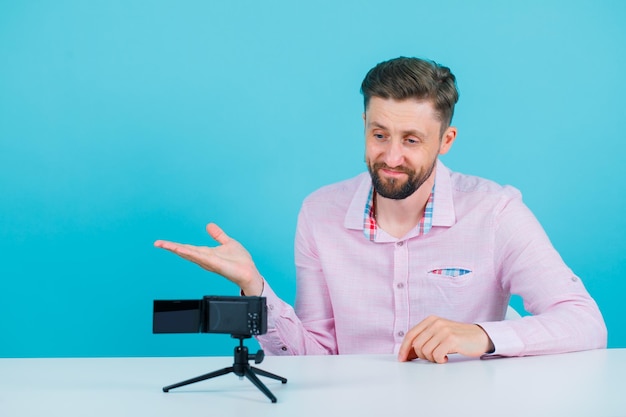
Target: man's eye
[
  {"x": 412, "y": 141},
  {"x": 379, "y": 136}
]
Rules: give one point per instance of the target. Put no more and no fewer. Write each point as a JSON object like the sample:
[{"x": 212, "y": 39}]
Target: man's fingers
[
  {"x": 166, "y": 244},
  {"x": 406, "y": 352},
  {"x": 439, "y": 353},
  {"x": 184, "y": 251},
  {"x": 217, "y": 233},
  {"x": 433, "y": 340},
  {"x": 410, "y": 355}
]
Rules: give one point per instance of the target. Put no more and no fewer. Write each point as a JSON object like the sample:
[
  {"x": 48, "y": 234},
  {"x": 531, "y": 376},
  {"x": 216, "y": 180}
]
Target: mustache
[{"x": 381, "y": 165}]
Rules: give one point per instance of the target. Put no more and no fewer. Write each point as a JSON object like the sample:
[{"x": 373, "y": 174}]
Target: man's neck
[{"x": 399, "y": 217}]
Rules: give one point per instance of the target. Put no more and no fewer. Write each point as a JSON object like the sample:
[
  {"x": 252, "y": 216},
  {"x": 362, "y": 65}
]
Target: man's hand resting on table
[
  {"x": 434, "y": 338},
  {"x": 230, "y": 259}
]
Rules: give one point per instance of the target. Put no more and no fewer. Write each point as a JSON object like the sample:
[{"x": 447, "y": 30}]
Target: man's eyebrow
[
  {"x": 376, "y": 125},
  {"x": 414, "y": 132}
]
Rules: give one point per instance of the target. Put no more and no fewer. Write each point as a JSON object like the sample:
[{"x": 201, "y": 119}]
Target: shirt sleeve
[
  {"x": 310, "y": 328},
  {"x": 564, "y": 317}
]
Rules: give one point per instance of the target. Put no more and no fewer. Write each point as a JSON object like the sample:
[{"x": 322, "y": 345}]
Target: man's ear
[{"x": 447, "y": 140}]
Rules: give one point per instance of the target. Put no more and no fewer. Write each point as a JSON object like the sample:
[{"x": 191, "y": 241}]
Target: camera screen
[
  {"x": 228, "y": 317},
  {"x": 178, "y": 316}
]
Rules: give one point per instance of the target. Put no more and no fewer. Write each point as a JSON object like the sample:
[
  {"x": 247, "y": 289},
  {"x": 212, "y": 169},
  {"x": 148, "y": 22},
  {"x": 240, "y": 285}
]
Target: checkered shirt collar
[{"x": 369, "y": 216}]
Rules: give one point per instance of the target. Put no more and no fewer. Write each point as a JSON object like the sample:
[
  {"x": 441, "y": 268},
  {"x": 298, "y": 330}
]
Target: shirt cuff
[
  {"x": 274, "y": 304},
  {"x": 505, "y": 339}
]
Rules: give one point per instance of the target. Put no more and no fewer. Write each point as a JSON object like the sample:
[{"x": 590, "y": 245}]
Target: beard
[{"x": 395, "y": 189}]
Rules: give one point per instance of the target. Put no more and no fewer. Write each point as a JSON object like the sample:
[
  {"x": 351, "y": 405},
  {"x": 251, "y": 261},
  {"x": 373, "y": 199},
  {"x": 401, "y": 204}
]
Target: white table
[{"x": 589, "y": 383}]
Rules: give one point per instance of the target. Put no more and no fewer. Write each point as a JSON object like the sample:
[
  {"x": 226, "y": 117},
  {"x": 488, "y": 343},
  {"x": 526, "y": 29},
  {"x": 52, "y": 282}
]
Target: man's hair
[{"x": 413, "y": 78}]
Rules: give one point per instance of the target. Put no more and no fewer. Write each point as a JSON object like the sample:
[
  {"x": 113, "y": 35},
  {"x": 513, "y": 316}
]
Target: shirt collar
[{"x": 443, "y": 210}]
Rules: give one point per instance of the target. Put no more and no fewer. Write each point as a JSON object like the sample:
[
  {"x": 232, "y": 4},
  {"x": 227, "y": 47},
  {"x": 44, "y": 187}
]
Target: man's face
[{"x": 402, "y": 142}]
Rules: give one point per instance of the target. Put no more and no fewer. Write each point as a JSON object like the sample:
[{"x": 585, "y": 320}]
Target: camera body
[{"x": 234, "y": 315}]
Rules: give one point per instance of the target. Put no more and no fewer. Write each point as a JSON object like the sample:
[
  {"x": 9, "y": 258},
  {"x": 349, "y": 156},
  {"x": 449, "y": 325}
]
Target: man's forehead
[
  {"x": 423, "y": 106},
  {"x": 406, "y": 114}
]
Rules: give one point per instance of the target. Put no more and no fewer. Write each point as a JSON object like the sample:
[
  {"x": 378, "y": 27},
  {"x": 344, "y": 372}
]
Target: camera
[{"x": 235, "y": 315}]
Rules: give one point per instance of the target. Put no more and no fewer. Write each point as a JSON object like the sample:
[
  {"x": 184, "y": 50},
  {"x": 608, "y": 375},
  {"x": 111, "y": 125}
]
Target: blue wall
[{"x": 123, "y": 122}]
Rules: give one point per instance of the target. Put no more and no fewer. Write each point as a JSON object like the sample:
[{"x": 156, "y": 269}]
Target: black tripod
[{"x": 241, "y": 368}]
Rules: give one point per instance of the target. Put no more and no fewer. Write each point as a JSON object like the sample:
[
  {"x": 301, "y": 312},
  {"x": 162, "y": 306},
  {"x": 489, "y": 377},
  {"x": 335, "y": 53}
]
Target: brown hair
[{"x": 413, "y": 78}]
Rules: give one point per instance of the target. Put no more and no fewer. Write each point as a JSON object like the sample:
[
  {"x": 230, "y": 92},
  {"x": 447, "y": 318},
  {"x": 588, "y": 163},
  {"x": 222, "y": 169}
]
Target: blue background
[{"x": 123, "y": 122}]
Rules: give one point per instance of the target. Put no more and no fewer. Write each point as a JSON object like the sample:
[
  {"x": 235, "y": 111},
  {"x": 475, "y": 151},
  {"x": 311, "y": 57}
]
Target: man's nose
[{"x": 395, "y": 154}]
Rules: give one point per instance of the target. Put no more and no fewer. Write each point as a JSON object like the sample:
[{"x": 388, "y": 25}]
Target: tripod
[{"x": 241, "y": 368}]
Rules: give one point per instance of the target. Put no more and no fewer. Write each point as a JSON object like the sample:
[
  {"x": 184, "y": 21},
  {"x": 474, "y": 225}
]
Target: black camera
[{"x": 234, "y": 315}]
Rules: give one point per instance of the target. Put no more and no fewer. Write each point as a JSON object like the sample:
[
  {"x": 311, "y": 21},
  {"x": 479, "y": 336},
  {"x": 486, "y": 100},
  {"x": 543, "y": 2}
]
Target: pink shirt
[{"x": 358, "y": 296}]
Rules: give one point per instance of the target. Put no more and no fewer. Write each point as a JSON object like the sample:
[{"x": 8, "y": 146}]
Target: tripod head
[{"x": 241, "y": 352}]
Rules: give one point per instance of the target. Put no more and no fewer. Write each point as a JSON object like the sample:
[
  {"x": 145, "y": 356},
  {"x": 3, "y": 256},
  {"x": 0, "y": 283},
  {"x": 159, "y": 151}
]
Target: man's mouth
[{"x": 391, "y": 172}]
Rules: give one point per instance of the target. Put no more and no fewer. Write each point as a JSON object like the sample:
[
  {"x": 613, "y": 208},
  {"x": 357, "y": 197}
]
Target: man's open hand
[{"x": 230, "y": 259}]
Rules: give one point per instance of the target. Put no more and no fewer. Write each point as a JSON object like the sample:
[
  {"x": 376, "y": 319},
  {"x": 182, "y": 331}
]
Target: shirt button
[
  {"x": 574, "y": 279},
  {"x": 271, "y": 306},
  {"x": 284, "y": 348},
  {"x": 400, "y": 333},
  {"x": 400, "y": 243},
  {"x": 400, "y": 286}
]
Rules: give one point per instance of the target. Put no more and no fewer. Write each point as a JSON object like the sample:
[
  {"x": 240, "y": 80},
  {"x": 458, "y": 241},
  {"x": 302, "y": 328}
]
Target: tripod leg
[
  {"x": 249, "y": 373},
  {"x": 213, "y": 374},
  {"x": 269, "y": 375}
]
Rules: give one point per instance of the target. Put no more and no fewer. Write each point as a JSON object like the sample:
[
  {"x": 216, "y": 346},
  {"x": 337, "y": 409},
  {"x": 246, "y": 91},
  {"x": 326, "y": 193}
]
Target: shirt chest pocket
[{"x": 450, "y": 276}]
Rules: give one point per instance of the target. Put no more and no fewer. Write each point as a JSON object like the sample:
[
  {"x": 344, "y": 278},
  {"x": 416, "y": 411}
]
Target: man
[{"x": 413, "y": 258}]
